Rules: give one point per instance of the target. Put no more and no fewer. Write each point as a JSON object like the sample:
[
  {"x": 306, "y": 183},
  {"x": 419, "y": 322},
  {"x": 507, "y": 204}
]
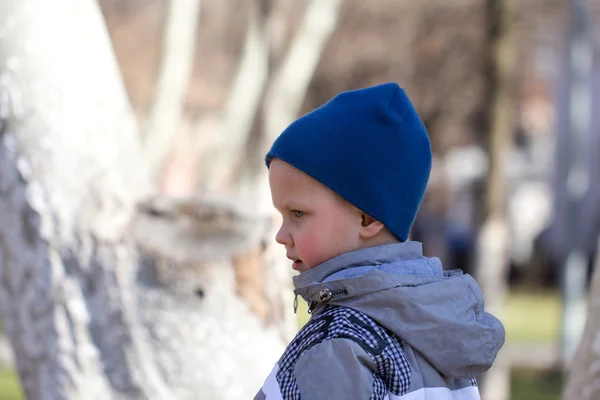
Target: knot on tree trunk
[{"x": 198, "y": 230}]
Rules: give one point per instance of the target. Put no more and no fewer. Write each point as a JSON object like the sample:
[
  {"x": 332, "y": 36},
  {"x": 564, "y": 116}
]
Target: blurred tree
[
  {"x": 583, "y": 375},
  {"x": 70, "y": 178},
  {"x": 105, "y": 290},
  {"x": 492, "y": 253},
  {"x": 173, "y": 79},
  {"x": 285, "y": 92},
  {"x": 574, "y": 242}
]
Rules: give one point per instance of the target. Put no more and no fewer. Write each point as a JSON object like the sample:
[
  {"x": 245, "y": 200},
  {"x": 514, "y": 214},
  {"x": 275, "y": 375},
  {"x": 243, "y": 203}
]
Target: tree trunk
[
  {"x": 70, "y": 177},
  {"x": 99, "y": 297},
  {"x": 575, "y": 180},
  {"x": 583, "y": 375},
  {"x": 492, "y": 243},
  {"x": 215, "y": 327},
  {"x": 171, "y": 86},
  {"x": 229, "y": 141},
  {"x": 583, "y": 381}
]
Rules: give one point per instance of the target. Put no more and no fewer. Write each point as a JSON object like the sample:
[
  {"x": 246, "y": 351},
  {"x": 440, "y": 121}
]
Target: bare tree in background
[
  {"x": 583, "y": 380},
  {"x": 498, "y": 123},
  {"x": 173, "y": 80},
  {"x": 243, "y": 102},
  {"x": 583, "y": 376},
  {"x": 286, "y": 91},
  {"x": 265, "y": 93},
  {"x": 574, "y": 240}
]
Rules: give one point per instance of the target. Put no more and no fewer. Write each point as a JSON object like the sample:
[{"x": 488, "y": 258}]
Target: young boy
[{"x": 387, "y": 323}]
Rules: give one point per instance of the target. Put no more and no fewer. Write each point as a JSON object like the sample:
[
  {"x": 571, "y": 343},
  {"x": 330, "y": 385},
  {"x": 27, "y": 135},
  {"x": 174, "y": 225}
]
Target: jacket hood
[{"x": 438, "y": 313}]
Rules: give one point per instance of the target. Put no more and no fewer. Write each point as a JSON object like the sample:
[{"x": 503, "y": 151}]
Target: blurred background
[{"x": 506, "y": 88}]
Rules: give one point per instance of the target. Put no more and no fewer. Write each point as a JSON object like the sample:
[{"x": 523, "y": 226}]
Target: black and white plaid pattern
[{"x": 393, "y": 371}]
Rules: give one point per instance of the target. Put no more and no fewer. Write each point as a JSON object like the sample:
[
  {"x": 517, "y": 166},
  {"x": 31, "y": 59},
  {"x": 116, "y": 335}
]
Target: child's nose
[{"x": 283, "y": 236}]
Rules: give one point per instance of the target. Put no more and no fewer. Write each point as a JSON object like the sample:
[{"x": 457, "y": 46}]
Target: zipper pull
[
  {"x": 295, "y": 302},
  {"x": 325, "y": 295},
  {"x": 311, "y": 306}
]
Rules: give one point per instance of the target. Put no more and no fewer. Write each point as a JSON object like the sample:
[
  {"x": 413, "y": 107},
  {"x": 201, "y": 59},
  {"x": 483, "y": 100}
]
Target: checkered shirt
[{"x": 332, "y": 322}]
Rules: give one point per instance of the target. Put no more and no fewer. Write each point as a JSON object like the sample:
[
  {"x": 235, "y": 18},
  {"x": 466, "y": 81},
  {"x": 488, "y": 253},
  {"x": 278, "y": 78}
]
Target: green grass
[
  {"x": 302, "y": 315},
  {"x": 532, "y": 316},
  {"x": 531, "y": 385},
  {"x": 10, "y": 389}
]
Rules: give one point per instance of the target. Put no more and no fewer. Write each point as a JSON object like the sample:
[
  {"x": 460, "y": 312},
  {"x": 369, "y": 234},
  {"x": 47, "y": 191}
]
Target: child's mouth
[{"x": 296, "y": 264}]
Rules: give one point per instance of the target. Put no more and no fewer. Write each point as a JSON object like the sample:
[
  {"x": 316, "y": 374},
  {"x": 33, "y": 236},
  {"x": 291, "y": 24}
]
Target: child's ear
[{"x": 370, "y": 226}]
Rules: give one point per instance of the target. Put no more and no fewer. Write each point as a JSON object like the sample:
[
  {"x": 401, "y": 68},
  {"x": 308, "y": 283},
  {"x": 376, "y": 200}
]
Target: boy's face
[{"x": 317, "y": 224}]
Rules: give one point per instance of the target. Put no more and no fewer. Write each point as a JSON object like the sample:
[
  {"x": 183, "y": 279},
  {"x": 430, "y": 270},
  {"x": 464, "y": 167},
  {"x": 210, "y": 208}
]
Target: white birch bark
[
  {"x": 178, "y": 51},
  {"x": 65, "y": 264},
  {"x": 227, "y": 144}
]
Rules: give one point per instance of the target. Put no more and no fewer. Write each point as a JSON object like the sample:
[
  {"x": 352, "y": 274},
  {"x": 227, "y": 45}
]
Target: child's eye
[{"x": 297, "y": 214}]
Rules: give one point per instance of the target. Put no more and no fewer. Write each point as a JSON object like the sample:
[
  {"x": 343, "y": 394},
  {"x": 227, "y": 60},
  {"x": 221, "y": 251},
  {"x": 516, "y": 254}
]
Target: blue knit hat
[{"x": 367, "y": 145}]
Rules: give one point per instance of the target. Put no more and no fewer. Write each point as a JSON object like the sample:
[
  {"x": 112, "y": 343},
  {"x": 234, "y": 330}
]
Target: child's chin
[{"x": 299, "y": 266}]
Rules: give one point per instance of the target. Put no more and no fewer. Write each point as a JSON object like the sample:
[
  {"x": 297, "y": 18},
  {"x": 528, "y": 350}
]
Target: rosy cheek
[{"x": 307, "y": 245}]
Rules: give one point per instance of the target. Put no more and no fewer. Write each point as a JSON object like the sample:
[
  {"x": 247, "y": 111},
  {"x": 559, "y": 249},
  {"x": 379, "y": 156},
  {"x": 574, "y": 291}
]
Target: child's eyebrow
[{"x": 292, "y": 205}]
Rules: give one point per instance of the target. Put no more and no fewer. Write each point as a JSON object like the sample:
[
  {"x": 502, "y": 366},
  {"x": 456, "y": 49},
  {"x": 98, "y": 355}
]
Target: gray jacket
[{"x": 387, "y": 323}]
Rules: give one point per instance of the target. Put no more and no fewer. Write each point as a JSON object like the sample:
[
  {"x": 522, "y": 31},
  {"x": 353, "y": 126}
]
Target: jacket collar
[{"x": 363, "y": 257}]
